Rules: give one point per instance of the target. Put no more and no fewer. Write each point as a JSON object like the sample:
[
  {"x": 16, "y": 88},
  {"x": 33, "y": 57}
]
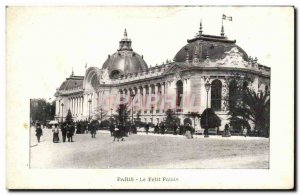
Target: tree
[
  {"x": 122, "y": 114},
  {"x": 69, "y": 118},
  {"x": 255, "y": 108},
  {"x": 171, "y": 118},
  {"x": 41, "y": 110},
  {"x": 209, "y": 120},
  {"x": 101, "y": 114},
  {"x": 193, "y": 115}
]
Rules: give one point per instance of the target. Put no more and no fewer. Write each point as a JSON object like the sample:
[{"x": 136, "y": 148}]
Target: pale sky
[{"x": 44, "y": 43}]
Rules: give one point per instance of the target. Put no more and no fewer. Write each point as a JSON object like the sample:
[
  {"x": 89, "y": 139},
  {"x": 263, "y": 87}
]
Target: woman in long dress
[
  {"x": 188, "y": 131},
  {"x": 55, "y": 134}
]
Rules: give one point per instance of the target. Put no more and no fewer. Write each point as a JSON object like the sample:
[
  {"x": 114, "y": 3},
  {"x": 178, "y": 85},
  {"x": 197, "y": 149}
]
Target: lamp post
[
  {"x": 176, "y": 104},
  {"x": 90, "y": 103},
  {"x": 62, "y": 112},
  {"x": 132, "y": 97},
  {"x": 101, "y": 117},
  {"x": 111, "y": 112},
  {"x": 152, "y": 113},
  {"x": 207, "y": 87}
]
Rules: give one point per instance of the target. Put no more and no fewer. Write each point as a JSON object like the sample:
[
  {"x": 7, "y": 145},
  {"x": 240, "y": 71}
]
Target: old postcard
[{"x": 169, "y": 97}]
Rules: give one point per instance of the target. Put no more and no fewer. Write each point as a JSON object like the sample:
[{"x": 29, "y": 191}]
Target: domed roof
[
  {"x": 72, "y": 82},
  {"x": 202, "y": 46},
  {"x": 125, "y": 60}
]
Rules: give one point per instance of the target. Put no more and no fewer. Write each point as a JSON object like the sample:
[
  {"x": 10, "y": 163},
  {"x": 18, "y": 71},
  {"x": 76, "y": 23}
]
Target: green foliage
[
  {"x": 100, "y": 114},
  {"x": 105, "y": 123},
  {"x": 209, "y": 119},
  {"x": 139, "y": 123},
  {"x": 41, "y": 110},
  {"x": 171, "y": 118},
  {"x": 122, "y": 114},
  {"x": 255, "y": 108},
  {"x": 69, "y": 118},
  {"x": 81, "y": 126}
]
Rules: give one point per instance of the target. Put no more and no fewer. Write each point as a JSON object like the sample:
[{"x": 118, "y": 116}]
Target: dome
[
  {"x": 72, "y": 82},
  {"x": 203, "y": 46},
  {"x": 125, "y": 60}
]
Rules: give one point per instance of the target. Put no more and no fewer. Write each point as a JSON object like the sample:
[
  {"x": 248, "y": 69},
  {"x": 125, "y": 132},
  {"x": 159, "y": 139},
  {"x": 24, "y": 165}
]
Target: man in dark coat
[
  {"x": 39, "y": 132},
  {"x": 111, "y": 129},
  {"x": 156, "y": 129},
  {"x": 64, "y": 131},
  {"x": 162, "y": 129},
  {"x": 147, "y": 128},
  {"x": 70, "y": 132},
  {"x": 175, "y": 129},
  {"x": 93, "y": 130}
]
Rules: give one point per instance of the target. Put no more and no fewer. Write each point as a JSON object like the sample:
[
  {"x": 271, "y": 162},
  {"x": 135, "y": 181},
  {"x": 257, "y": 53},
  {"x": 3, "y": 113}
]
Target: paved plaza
[{"x": 149, "y": 151}]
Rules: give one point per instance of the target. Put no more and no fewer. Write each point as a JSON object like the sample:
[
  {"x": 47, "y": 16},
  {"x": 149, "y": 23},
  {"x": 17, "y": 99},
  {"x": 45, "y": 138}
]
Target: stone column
[
  {"x": 162, "y": 105},
  {"x": 81, "y": 105},
  {"x": 183, "y": 98},
  {"x": 144, "y": 100},
  {"x": 74, "y": 108},
  {"x": 76, "y": 105},
  {"x": 71, "y": 108},
  {"x": 187, "y": 95},
  {"x": 155, "y": 100},
  {"x": 225, "y": 95},
  {"x": 138, "y": 95},
  {"x": 84, "y": 105}
]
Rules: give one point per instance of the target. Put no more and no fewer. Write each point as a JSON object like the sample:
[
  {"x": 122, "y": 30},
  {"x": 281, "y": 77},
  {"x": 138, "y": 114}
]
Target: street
[{"x": 149, "y": 151}]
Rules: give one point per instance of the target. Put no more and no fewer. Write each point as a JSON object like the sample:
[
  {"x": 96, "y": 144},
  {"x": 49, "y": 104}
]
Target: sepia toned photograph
[{"x": 147, "y": 88}]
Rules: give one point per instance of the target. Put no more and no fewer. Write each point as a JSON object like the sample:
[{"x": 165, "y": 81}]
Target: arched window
[
  {"x": 232, "y": 94},
  {"x": 179, "y": 92},
  {"x": 216, "y": 95}
]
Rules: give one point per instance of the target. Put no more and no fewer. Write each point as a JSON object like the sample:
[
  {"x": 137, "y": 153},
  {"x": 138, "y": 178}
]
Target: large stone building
[{"x": 178, "y": 85}]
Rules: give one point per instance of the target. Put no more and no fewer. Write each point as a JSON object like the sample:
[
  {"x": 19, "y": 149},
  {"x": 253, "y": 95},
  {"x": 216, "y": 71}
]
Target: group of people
[
  {"x": 176, "y": 129},
  {"x": 158, "y": 129},
  {"x": 120, "y": 131},
  {"x": 67, "y": 131}
]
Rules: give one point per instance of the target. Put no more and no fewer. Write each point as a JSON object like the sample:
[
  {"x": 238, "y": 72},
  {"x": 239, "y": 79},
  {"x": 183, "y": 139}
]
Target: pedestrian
[
  {"x": 55, "y": 131},
  {"x": 119, "y": 132},
  {"x": 175, "y": 129},
  {"x": 147, "y": 128},
  {"x": 64, "y": 131},
  {"x": 38, "y": 131},
  {"x": 134, "y": 131},
  {"x": 70, "y": 131},
  {"x": 111, "y": 129},
  {"x": 162, "y": 128},
  {"x": 188, "y": 131},
  {"x": 156, "y": 129},
  {"x": 93, "y": 130},
  {"x": 245, "y": 131}
]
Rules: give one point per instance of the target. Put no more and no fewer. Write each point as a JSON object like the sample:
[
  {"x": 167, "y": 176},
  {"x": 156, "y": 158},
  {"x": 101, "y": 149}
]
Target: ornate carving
[
  {"x": 177, "y": 75},
  {"x": 233, "y": 57},
  {"x": 225, "y": 94}
]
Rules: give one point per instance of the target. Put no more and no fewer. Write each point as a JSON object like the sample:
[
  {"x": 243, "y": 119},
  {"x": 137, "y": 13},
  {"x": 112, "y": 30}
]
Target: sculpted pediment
[
  {"x": 174, "y": 68},
  {"x": 233, "y": 58}
]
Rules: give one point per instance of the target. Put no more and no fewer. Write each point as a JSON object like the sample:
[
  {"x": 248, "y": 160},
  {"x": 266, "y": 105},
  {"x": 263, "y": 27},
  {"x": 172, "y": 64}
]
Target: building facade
[{"x": 178, "y": 85}]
